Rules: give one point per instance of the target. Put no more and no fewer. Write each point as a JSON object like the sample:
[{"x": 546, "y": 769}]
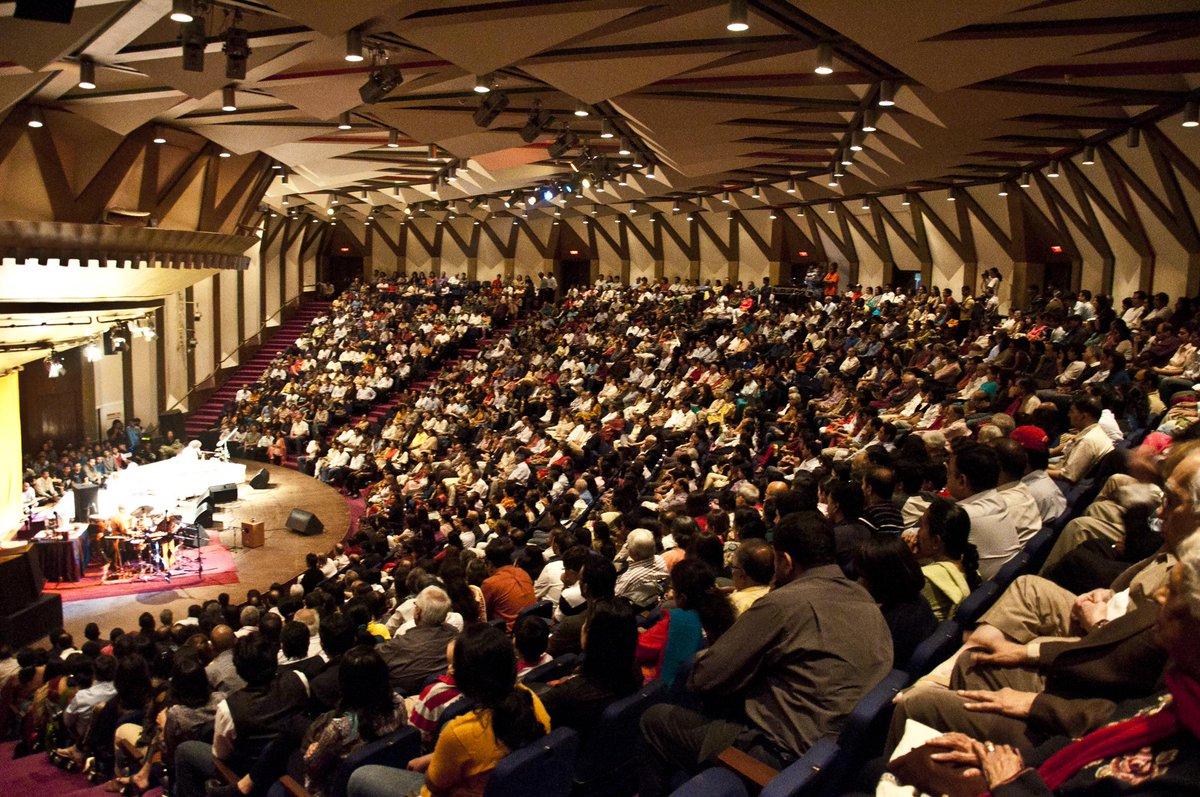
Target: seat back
[
  {"x": 975, "y": 604},
  {"x": 808, "y": 773},
  {"x": 1012, "y": 568},
  {"x": 394, "y": 750},
  {"x": 555, "y": 668},
  {"x": 606, "y": 762},
  {"x": 864, "y": 721},
  {"x": 542, "y": 768},
  {"x": 543, "y": 609},
  {"x": 1039, "y": 547},
  {"x": 944, "y": 640},
  {"x": 713, "y": 782},
  {"x": 455, "y": 708}
]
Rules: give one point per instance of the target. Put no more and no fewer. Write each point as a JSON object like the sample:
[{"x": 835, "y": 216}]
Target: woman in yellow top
[
  {"x": 950, "y": 562},
  {"x": 468, "y": 748}
]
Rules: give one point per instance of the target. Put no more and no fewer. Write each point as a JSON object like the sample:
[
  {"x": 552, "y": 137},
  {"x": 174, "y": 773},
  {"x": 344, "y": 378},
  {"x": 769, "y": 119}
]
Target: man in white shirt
[
  {"x": 1091, "y": 442},
  {"x": 1023, "y": 508},
  {"x": 973, "y": 473}
]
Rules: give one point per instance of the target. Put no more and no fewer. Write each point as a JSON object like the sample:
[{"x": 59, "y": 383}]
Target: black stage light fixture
[
  {"x": 237, "y": 50},
  {"x": 561, "y": 145},
  {"x": 382, "y": 82},
  {"x": 538, "y": 121},
  {"x": 45, "y": 10},
  {"x": 490, "y": 107},
  {"x": 194, "y": 41}
]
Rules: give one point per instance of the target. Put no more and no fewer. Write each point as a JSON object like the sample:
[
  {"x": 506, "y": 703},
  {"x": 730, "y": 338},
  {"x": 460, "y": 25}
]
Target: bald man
[
  {"x": 753, "y": 567},
  {"x": 222, "y": 676}
]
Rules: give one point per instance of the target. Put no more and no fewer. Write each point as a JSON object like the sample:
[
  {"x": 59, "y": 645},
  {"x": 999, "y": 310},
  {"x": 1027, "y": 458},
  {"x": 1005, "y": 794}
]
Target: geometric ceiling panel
[
  {"x": 331, "y": 17},
  {"x": 35, "y": 45},
  {"x": 125, "y": 117},
  {"x": 241, "y": 139},
  {"x": 510, "y": 37},
  {"x": 595, "y": 79},
  {"x": 15, "y": 87},
  {"x": 321, "y": 99}
]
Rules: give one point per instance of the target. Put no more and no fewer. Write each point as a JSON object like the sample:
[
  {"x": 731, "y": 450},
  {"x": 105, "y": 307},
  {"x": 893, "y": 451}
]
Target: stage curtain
[{"x": 10, "y": 457}]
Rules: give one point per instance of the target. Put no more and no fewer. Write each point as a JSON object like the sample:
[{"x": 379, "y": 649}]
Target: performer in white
[{"x": 190, "y": 452}]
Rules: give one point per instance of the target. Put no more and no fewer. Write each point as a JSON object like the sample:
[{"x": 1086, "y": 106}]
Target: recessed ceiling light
[
  {"x": 887, "y": 93},
  {"x": 1191, "y": 114},
  {"x": 87, "y": 73},
  {"x": 354, "y": 46},
  {"x": 228, "y": 99},
  {"x": 738, "y": 19},
  {"x": 824, "y": 59},
  {"x": 482, "y": 84}
]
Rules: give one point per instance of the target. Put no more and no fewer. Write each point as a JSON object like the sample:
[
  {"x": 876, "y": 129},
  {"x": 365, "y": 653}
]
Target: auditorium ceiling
[{"x": 982, "y": 90}]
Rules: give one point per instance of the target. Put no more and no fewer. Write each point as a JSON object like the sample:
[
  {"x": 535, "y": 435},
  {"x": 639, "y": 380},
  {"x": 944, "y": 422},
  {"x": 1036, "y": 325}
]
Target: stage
[{"x": 234, "y": 569}]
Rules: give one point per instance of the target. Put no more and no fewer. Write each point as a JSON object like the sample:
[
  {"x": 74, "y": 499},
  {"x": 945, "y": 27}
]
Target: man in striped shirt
[
  {"x": 426, "y": 708},
  {"x": 880, "y": 513}
]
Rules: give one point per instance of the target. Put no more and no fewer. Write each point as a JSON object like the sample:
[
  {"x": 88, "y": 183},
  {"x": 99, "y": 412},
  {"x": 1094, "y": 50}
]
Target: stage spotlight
[
  {"x": 87, "y": 73},
  {"x": 537, "y": 121},
  {"x": 237, "y": 51},
  {"x": 54, "y": 366},
  {"x": 381, "y": 82},
  {"x": 194, "y": 40},
  {"x": 490, "y": 107},
  {"x": 92, "y": 352},
  {"x": 547, "y": 194},
  {"x": 354, "y": 46},
  {"x": 561, "y": 145},
  {"x": 229, "y": 99},
  {"x": 182, "y": 11}
]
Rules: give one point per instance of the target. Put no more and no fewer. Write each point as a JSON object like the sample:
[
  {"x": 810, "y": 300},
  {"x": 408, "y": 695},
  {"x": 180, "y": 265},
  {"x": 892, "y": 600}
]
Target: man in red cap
[{"x": 1050, "y": 499}]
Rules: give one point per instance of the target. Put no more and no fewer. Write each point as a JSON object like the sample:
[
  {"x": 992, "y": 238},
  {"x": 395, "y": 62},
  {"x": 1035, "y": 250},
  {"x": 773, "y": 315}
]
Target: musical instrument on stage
[{"x": 144, "y": 544}]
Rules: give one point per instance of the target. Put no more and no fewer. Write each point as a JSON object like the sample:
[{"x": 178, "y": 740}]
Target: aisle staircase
[{"x": 281, "y": 337}]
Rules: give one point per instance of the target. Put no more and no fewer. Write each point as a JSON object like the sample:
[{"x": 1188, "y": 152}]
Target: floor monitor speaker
[
  {"x": 261, "y": 479},
  {"x": 223, "y": 493},
  {"x": 304, "y": 522}
]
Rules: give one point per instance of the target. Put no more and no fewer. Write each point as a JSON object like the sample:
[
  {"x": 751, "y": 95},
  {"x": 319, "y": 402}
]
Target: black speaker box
[
  {"x": 304, "y": 522},
  {"x": 33, "y": 621},
  {"x": 261, "y": 479},
  {"x": 205, "y": 518},
  {"x": 223, "y": 493},
  {"x": 85, "y": 499},
  {"x": 59, "y": 11}
]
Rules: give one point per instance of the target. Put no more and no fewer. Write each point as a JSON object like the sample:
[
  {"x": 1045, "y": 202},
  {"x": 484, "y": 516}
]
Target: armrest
[
  {"x": 226, "y": 774},
  {"x": 747, "y": 766},
  {"x": 292, "y": 787}
]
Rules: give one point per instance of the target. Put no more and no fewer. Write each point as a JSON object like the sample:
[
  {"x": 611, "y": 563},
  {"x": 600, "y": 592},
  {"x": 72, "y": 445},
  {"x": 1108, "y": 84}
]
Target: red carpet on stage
[{"x": 219, "y": 568}]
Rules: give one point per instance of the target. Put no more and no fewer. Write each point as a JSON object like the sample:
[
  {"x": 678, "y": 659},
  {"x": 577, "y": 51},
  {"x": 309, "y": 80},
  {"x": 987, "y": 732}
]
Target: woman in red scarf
[{"x": 1153, "y": 750}]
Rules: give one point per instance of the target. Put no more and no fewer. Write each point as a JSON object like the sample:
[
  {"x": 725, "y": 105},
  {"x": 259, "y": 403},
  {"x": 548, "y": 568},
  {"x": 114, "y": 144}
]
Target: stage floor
[{"x": 281, "y": 558}]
